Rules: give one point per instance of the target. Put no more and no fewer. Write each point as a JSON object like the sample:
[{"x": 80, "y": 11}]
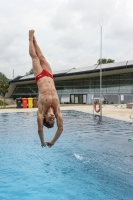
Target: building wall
[{"x": 115, "y": 88}]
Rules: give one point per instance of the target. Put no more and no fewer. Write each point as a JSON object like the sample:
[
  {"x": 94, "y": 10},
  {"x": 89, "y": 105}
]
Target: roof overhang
[{"x": 85, "y": 72}]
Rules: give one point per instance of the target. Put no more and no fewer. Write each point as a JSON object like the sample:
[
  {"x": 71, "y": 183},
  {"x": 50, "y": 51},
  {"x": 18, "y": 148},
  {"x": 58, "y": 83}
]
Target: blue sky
[{"x": 67, "y": 31}]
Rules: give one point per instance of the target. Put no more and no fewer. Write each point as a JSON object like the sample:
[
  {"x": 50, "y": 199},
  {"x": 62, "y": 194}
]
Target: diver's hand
[
  {"x": 44, "y": 144},
  {"x": 49, "y": 144}
]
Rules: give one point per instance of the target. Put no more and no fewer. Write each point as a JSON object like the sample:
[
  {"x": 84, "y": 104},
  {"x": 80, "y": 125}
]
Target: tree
[
  {"x": 8, "y": 80},
  {"x": 30, "y": 72},
  {"x": 104, "y": 61},
  {"x": 3, "y": 86},
  {"x": 18, "y": 76}
]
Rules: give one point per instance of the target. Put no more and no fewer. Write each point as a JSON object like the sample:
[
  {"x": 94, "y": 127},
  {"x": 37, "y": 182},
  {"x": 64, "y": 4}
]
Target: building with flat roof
[{"x": 82, "y": 85}]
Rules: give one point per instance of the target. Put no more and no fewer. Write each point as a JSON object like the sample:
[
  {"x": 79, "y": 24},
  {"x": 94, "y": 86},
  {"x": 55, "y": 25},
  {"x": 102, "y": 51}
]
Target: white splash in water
[
  {"x": 84, "y": 159},
  {"x": 78, "y": 156}
]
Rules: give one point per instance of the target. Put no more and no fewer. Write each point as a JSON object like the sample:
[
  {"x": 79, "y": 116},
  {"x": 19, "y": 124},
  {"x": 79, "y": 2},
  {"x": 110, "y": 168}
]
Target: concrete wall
[{"x": 11, "y": 89}]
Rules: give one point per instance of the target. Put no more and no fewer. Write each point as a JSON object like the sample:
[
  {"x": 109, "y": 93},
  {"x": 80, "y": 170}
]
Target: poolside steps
[{"x": 129, "y": 105}]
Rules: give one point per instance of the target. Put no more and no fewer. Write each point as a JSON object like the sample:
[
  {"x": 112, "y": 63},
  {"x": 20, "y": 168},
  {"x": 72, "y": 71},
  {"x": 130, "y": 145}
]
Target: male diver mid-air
[{"x": 48, "y": 102}]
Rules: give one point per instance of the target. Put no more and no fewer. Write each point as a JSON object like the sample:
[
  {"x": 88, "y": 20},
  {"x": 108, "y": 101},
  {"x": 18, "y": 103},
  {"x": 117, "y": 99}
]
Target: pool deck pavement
[{"x": 114, "y": 111}]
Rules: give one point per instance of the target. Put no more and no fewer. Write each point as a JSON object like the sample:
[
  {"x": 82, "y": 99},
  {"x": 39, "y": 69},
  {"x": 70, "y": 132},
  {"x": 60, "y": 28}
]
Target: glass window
[
  {"x": 84, "y": 98},
  {"x": 87, "y": 82},
  {"x": 78, "y": 82},
  {"x": 126, "y": 76},
  {"x": 80, "y": 98},
  {"x": 66, "y": 83},
  {"x": 67, "y": 91},
  {"x": 72, "y": 98},
  {"x": 76, "y": 98},
  {"x": 126, "y": 89},
  {"x": 97, "y": 89},
  {"x": 112, "y": 89},
  {"x": 86, "y": 90},
  {"x": 65, "y": 98}
]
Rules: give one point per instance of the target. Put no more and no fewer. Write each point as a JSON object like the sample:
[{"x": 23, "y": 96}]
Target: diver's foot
[
  {"x": 31, "y": 34},
  {"x": 34, "y": 38}
]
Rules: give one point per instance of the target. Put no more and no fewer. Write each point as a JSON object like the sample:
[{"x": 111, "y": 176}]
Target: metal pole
[
  {"x": 101, "y": 67},
  {"x": 13, "y": 73}
]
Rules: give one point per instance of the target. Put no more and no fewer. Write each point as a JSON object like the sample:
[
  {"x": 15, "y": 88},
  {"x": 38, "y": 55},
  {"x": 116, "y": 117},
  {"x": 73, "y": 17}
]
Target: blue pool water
[{"x": 92, "y": 160}]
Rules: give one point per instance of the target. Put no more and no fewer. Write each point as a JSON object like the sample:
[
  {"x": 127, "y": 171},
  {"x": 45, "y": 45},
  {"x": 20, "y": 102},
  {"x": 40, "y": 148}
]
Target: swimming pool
[{"x": 92, "y": 160}]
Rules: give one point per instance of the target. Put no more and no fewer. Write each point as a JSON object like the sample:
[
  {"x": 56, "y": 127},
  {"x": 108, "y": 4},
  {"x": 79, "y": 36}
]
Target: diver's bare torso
[
  {"x": 47, "y": 96},
  {"x": 48, "y": 102}
]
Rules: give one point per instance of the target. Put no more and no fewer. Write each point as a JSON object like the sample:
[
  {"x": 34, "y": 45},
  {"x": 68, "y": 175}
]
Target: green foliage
[
  {"x": 18, "y": 76},
  {"x": 3, "y": 85},
  {"x": 30, "y": 72},
  {"x": 5, "y": 76},
  {"x": 104, "y": 61},
  {"x": 2, "y": 103}
]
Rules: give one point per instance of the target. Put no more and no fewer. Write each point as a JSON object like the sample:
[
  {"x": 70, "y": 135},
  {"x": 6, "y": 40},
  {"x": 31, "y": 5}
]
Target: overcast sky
[{"x": 67, "y": 31}]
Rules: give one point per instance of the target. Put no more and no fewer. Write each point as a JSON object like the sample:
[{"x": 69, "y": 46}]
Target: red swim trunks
[{"x": 42, "y": 74}]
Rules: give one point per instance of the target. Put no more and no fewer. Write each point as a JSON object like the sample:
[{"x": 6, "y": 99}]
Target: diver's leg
[
  {"x": 45, "y": 65},
  {"x": 37, "y": 68}
]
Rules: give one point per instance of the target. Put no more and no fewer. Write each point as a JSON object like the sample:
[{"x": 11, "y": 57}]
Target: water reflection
[{"x": 97, "y": 119}]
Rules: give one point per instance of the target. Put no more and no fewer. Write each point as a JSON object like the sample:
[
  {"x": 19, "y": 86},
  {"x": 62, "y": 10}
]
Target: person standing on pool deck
[{"x": 48, "y": 102}]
